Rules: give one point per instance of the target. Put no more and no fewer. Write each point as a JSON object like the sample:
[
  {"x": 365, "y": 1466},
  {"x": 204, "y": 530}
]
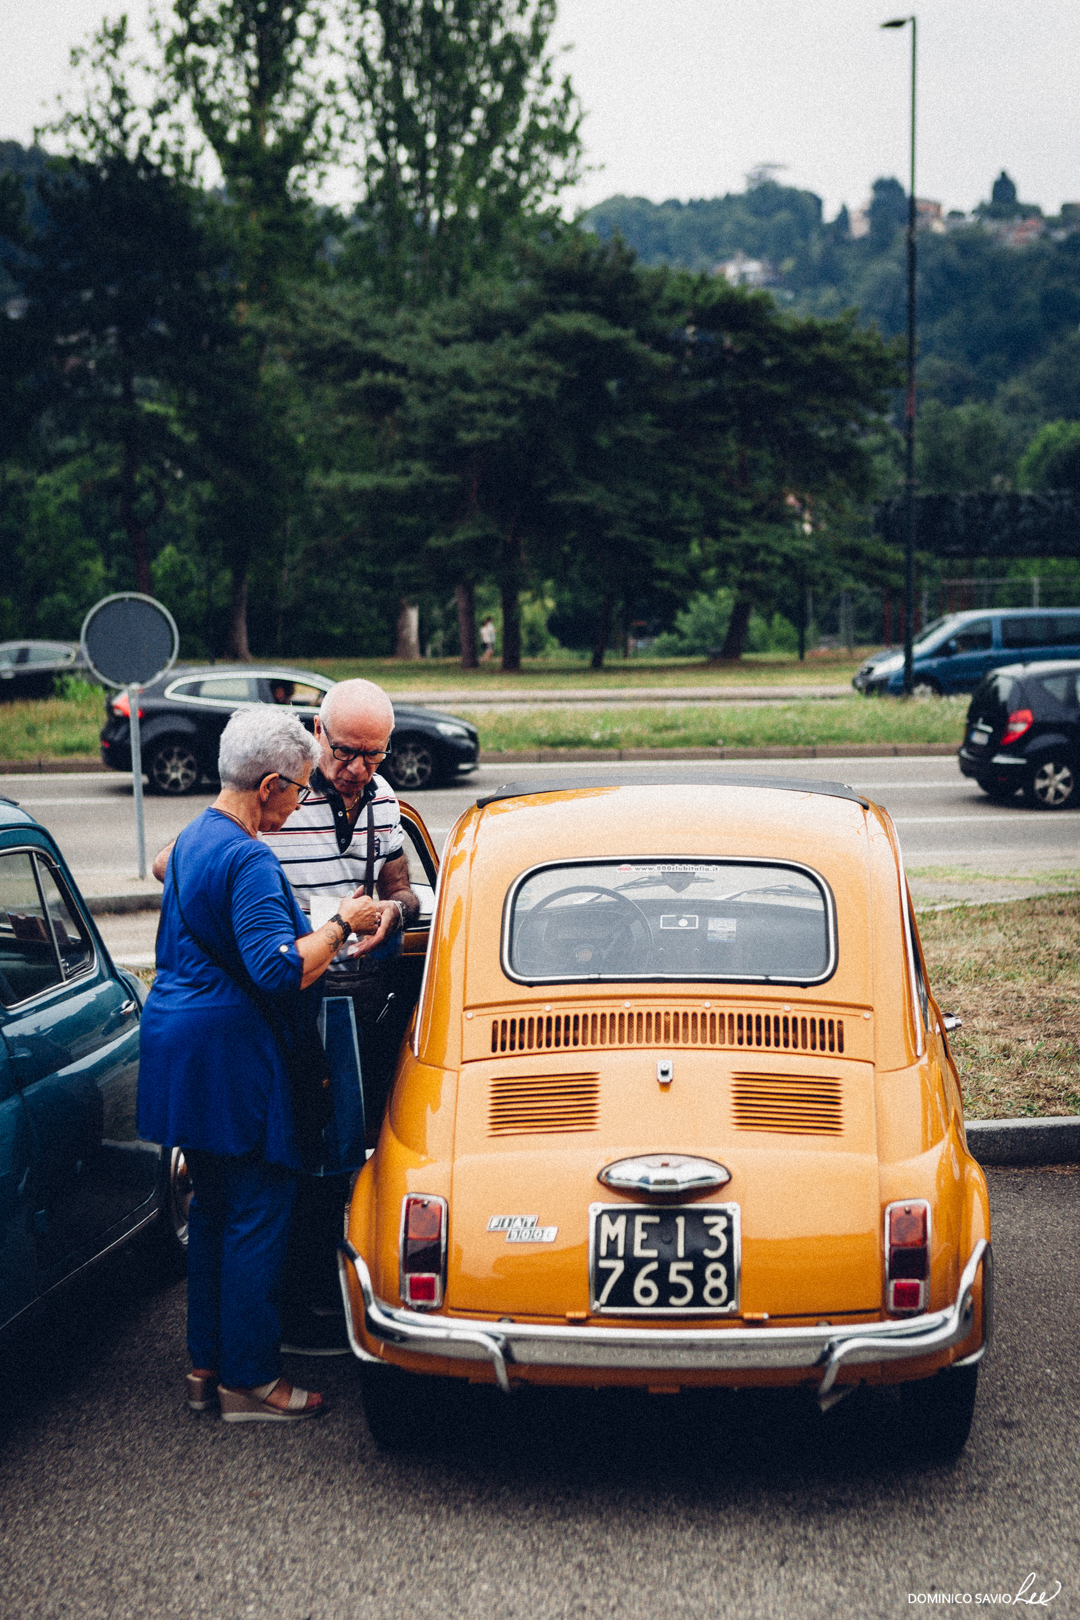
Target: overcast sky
[{"x": 685, "y": 97}]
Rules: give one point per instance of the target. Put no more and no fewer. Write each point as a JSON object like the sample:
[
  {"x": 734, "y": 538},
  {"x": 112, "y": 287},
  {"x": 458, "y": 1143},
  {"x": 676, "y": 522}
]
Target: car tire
[
  {"x": 407, "y": 1412},
  {"x": 413, "y": 765},
  {"x": 173, "y": 768},
  {"x": 1000, "y": 789},
  {"x": 934, "y": 1417},
  {"x": 166, "y": 1241},
  {"x": 1053, "y": 785}
]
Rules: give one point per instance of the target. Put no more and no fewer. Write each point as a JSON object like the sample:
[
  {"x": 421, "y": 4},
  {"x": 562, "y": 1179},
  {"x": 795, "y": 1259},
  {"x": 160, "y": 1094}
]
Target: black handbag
[{"x": 304, "y": 1057}]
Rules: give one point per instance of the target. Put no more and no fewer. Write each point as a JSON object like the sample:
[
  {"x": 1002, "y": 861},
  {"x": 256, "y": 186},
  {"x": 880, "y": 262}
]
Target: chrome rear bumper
[{"x": 666, "y": 1351}]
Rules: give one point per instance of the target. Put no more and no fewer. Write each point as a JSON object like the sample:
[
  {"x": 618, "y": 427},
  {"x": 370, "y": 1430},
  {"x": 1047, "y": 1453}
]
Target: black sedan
[
  {"x": 183, "y": 713},
  {"x": 29, "y": 669},
  {"x": 1022, "y": 734}
]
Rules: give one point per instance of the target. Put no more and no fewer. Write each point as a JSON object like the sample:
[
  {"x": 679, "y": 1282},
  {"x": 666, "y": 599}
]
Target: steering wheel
[{"x": 631, "y": 928}]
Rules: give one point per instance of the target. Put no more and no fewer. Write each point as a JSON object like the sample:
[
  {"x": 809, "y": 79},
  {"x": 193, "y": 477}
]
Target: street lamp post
[{"x": 909, "y": 409}]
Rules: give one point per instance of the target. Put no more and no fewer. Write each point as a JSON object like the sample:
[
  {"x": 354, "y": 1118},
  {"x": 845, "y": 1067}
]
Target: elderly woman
[{"x": 227, "y": 1045}]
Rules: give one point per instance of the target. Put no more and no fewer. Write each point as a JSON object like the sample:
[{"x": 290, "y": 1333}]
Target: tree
[
  {"x": 125, "y": 303},
  {"x": 771, "y": 423},
  {"x": 1052, "y": 459},
  {"x": 467, "y": 135},
  {"x": 255, "y": 75}
]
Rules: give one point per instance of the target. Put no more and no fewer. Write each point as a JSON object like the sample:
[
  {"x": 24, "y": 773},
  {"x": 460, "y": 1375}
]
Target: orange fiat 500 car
[{"x": 677, "y": 1110}]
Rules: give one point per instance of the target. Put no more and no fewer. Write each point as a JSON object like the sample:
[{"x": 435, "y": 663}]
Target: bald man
[{"x": 347, "y": 837}]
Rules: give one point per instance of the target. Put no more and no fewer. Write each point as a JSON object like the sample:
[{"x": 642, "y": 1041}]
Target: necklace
[{"x": 239, "y": 823}]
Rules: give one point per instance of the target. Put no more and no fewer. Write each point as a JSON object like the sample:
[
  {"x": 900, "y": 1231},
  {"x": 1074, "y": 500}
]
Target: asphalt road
[
  {"x": 116, "y": 1503},
  {"x": 957, "y": 843}
]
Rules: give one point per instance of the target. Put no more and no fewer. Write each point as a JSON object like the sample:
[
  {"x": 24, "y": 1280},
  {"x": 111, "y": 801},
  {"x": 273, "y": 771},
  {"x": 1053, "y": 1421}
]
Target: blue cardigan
[{"x": 211, "y": 1074}]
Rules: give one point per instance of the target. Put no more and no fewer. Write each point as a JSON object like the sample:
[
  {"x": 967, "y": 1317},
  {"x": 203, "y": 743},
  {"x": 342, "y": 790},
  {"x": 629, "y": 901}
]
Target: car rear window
[
  {"x": 1062, "y": 688},
  {"x": 670, "y": 919},
  {"x": 993, "y": 698}
]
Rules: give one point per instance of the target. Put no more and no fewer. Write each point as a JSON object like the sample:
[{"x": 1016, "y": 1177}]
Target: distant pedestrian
[{"x": 487, "y": 639}]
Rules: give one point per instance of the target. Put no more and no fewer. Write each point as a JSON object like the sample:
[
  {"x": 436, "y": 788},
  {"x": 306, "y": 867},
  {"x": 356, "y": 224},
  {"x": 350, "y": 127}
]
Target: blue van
[{"x": 954, "y": 653}]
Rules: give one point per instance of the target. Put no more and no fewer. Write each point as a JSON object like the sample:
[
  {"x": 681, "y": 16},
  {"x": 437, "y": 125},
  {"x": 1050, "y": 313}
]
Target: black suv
[
  {"x": 1023, "y": 733},
  {"x": 183, "y": 713}
]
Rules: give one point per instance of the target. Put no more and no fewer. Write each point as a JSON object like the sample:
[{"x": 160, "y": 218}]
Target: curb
[
  {"x": 51, "y": 767},
  {"x": 118, "y": 905},
  {"x": 1055, "y": 1140},
  {"x": 553, "y": 756}
]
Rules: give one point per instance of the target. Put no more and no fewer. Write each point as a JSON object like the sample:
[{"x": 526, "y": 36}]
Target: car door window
[
  {"x": 229, "y": 689},
  {"x": 977, "y": 637},
  {"x": 421, "y": 871},
  {"x": 1066, "y": 630},
  {"x": 296, "y": 694},
  {"x": 42, "y": 942},
  {"x": 1029, "y": 632}
]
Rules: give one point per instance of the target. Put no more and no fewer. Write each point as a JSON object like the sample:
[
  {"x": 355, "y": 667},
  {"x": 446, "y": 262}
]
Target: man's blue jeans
[{"x": 238, "y": 1227}]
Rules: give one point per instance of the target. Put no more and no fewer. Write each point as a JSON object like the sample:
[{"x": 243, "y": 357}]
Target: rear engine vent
[
  {"x": 667, "y": 1027},
  {"x": 794, "y": 1105},
  {"x": 528, "y": 1105}
]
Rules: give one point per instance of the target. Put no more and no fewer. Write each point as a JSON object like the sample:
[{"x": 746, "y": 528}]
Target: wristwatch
[
  {"x": 342, "y": 924},
  {"x": 401, "y": 914}
]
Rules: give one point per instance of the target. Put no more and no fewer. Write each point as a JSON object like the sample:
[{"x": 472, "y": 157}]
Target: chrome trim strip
[{"x": 664, "y": 1349}]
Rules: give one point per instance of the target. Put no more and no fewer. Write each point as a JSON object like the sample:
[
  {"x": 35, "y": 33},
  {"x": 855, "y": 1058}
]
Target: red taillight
[
  {"x": 423, "y": 1250},
  {"x": 1020, "y": 720},
  {"x": 122, "y": 706},
  {"x": 907, "y": 1256}
]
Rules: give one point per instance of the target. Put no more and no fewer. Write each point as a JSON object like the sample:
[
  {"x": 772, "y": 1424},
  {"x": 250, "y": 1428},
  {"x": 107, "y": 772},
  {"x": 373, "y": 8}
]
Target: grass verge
[
  {"x": 1012, "y": 972},
  {"x": 446, "y": 674},
  {"x": 52, "y": 728},
  {"x": 788, "y": 725}
]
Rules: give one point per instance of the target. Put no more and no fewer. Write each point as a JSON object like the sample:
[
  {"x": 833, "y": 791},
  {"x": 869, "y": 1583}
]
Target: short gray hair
[
  {"x": 357, "y": 692},
  {"x": 260, "y": 739}
]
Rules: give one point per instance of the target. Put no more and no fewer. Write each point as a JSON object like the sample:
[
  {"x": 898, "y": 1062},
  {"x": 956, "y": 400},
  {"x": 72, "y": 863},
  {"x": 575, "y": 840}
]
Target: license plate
[
  {"x": 979, "y": 738},
  {"x": 646, "y": 1260}
]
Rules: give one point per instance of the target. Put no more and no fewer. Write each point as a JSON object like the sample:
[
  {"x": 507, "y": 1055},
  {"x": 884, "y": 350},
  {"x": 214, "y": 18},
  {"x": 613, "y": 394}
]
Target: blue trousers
[{"x": 238, "y": 1227}]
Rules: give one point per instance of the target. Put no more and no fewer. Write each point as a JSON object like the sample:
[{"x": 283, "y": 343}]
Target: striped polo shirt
[{"x": 309, "y": 845}]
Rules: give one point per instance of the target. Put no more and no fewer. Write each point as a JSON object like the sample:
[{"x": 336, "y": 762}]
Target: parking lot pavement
[{"x": 116, "y": 1503}]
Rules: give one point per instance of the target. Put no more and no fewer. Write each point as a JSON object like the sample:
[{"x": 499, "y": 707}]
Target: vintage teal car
[{"x": 75, "y": 1180}]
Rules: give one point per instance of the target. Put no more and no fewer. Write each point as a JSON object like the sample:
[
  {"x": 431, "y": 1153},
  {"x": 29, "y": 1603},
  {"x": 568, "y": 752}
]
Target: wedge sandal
[
  {"x": 202, "y": 1391},
  {"x": 252, "y": 1405}
]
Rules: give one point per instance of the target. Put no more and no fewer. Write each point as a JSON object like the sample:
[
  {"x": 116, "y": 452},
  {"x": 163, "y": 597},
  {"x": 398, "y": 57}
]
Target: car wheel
[
  {"x": 412, "y": 765},
  {"x": 407, "y": 1411},
  {"x": 934, "y": 1417},
  {"x": 167, "y": 1238},
  {"x": 173, "y": 768},
  {"x": 1052, "y": 785},
  {"x": 999, "y": 787}
]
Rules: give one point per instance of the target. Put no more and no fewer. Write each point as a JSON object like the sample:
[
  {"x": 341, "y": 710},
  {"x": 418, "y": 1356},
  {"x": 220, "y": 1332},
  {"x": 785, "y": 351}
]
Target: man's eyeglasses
[
  {"x": 348, "y": 755},
  {"x": 303, "y": 791}
]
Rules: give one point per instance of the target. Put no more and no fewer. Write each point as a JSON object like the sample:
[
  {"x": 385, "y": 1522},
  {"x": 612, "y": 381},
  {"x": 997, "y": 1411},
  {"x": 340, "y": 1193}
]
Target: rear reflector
[
  {"x": 423, "y": 1250},
  {"x": 907, "y": 1256},
  {"x": 422, "y": 1289}
]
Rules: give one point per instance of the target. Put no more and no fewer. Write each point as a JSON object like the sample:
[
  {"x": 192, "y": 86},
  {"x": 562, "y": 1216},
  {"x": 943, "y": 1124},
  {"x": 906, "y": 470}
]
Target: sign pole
[
  {"x": 129, "y": 640},
  {"x": 136, "y": 776}
]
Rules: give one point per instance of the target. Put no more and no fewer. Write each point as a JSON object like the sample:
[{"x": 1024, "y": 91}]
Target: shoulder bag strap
[{"x": 369, "y": 869}]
